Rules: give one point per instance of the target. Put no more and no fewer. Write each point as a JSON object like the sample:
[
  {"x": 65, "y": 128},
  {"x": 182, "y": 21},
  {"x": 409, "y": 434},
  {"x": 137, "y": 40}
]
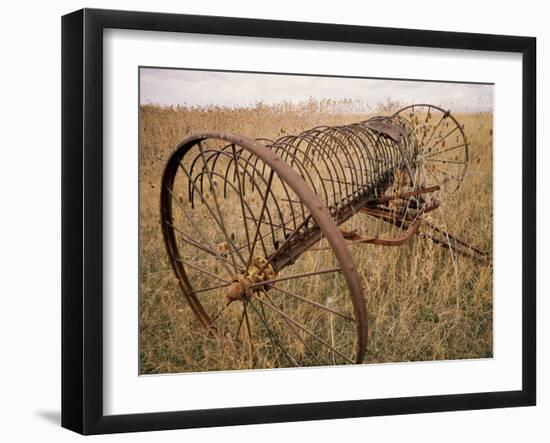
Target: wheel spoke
[
  {"x": 188, "y": 240},
  {"x": 425, "y": 131},
  {"x": 313, "y": 303},
  {"x": 211, "y": 288},
  {"x": 277, "y": 228},
  {"x": 274, "y": 340},
  {"x": 241, "y": 319},
  {"x": 218, "y": 315},
  {"x": 204, "y": 237},
  {"x": 435, "y": 129},
  {"x": 296, "y": 333},
  {"x": 451, "y": 177},
  {"x": 447, "y": 161},
  {"x": 292, "y": 277},
  {"x": 446, "y": 135},
  {"x": 432, "y": 154},
  {"x": 303, "y": 328},
  {"x": 247, "y": 321},
  {"x": 204, "y": 271},
  {"x": 424, "y": 169}
]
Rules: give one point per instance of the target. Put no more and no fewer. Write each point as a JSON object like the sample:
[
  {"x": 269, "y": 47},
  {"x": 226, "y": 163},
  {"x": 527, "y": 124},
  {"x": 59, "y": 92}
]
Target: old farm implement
[{"x": 258, "y": 232}]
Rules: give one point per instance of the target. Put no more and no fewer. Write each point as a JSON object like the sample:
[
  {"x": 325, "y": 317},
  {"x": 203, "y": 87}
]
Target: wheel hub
[{"x": 245, "y": 284}]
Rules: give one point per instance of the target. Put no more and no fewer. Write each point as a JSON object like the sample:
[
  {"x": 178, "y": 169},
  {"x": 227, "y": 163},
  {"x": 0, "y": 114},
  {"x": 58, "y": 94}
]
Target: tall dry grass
[{"x": 423, "y": 302}]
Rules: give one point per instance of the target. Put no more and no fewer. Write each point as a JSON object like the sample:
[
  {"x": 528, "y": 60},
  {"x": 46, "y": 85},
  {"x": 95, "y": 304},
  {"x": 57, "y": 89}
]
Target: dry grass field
[{"x": 423, "y": 302}]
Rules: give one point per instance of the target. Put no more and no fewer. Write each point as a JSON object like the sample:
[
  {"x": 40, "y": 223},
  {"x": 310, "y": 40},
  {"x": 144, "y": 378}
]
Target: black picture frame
[{"x": 82, "y": 220}]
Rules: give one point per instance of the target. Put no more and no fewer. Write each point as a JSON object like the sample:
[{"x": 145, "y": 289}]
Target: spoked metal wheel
[
  {"x": 231, "y": 209},
  {"x": 441, "y": 160},
  {"x": 442, "y": 149}
]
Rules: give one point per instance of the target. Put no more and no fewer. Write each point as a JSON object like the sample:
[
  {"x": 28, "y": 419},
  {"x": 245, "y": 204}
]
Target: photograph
[{"x": 291, "y": 220}]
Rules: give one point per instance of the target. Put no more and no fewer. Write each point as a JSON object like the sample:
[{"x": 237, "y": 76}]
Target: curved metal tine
[
  {"x": 357, "y": 149},
  {"x": 264, "y": 204},
  {"x": 389, "y": 155},
  {"x": 344, "y": 132},
  {"x": 312, "y": 166},
  {"x": 271, "y": 145},
  {"x": 286, "y": 144},
  {"x": 269, "y": 233},
  {"x": 226, "y": 178},
  {"x": 328, "y": 134},
  {"x": 318, "y": 144},
  {"x": 213, "y": 157},
  {"x": 293, "y": 277},
  {"x": 306, "y": 330},
  {"x": 405, "y": 161},
  {"x": 251, "y": 214},
  {"x": 210, "y": 210},
  {"x": 204, "y": 237},
  {"x": 294, "y": 331},
  {"x": 241, "y": 192},
  {"x": 313, "y": 303},
  {"x": 278, "y": 211},
  {"x": 190, "y": 241},
  {"x": 315, "y": 144},
  {"x": 190, "y": 187},
  {"x": 362, "y": 149},
  {"x": 293, "y": 216},
  {"x": 433, "y": 154},
  {"x": 215, "y": 195},
  {"x": 285, "y": 223},
  {"x": 366, "y": 138},
  {"x": 274, "y": 340},
  {"x": 255, "y": 169}
]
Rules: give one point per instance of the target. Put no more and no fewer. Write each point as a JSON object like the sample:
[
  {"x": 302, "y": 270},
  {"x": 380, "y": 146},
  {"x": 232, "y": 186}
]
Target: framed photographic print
[{"x": 273, "y": 221}]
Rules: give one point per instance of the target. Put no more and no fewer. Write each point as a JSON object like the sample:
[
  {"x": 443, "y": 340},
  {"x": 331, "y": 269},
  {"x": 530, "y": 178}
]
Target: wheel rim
[
  {"x": 227, "y": 206},
  {"x": 442, "y": 148}
]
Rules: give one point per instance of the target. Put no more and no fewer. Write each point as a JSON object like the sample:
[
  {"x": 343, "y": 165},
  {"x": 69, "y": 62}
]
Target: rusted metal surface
[
  {"x": 290, "y": 180},
  {"x": 270, "y": 201}
]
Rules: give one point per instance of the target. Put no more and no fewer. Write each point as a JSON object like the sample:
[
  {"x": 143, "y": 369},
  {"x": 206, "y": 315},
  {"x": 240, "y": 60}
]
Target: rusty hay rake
[{"x": 256, "y": 230}]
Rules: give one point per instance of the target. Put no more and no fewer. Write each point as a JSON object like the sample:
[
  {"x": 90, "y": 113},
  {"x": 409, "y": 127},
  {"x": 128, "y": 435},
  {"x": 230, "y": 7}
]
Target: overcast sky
[{"x": 179, "y": 87}]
